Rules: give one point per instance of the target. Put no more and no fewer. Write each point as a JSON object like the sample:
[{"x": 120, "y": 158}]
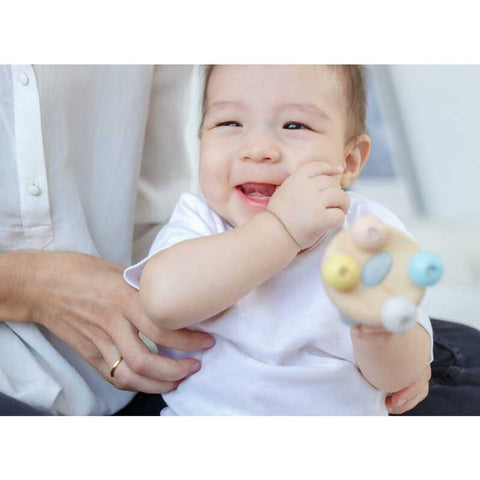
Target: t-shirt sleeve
[
  {"x": 361, "y": 206},
  {"x": 191, "y": 218}
]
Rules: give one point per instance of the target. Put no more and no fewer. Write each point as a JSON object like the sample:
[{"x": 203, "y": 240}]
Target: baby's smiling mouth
[{"x": 257, "y": 190}]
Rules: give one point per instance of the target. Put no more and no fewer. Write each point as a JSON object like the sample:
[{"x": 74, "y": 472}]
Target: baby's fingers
[
  {"x": 313, "y": 169},
  {"x": 409, "y": 397},
  {"x": 335, "y": 197},
  {"x": 409, "y": 404},
  {"x": 333, "y": 218},
  {"x": 324, "y": 182}
]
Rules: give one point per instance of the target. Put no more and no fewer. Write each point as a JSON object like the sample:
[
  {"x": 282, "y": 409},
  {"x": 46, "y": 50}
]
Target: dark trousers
[
  {"x": 454, "y": 386},
  {"x": 455, "y": 383}
]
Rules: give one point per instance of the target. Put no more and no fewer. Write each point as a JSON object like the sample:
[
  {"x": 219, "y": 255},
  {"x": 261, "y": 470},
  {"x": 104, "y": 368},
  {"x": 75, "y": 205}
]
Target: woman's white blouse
[{"x": 86, "y": 153}]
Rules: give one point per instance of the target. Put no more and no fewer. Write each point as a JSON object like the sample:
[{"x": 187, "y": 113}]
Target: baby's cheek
[{"x": 321, "y": 153}]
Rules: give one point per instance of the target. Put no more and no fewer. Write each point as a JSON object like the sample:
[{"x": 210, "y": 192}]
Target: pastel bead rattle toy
[{"x": 375, "y": 274}]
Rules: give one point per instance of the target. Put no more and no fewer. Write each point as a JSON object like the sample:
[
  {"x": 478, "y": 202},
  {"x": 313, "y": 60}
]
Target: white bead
[{"x": 399, "y": 314}]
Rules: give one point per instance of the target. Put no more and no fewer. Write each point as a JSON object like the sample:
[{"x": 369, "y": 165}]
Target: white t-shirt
[{"x": 281, "y": 349}]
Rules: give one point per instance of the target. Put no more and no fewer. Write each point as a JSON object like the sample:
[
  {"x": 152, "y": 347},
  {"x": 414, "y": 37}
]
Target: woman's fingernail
[
  {"x": 194, "y": 367},
  {"x": 208, "y": 342},
  {"x": 401, "y": 402}
]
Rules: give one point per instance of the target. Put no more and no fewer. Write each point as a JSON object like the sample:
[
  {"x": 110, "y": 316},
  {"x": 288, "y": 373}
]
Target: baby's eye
[
  {"x": 296, "y": 126},
  {"x": 229, "y": 123}
]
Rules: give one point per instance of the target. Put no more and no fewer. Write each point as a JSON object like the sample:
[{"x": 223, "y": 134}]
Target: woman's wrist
[{"x": 17, "y": 273}]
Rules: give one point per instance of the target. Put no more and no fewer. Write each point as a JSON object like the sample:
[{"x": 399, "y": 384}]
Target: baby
[{"x": 278, "y": 145}]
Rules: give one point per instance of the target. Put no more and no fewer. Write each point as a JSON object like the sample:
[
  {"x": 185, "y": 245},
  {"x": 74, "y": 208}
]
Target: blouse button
[
  {"x": 34, "y": 190},
  {"x": 23, "y": 79}
]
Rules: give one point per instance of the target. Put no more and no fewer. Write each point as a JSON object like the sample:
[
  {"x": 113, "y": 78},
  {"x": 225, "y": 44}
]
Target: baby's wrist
[
  {"x": 371, "y": 336},
  {"x": 284, "y": 228}
]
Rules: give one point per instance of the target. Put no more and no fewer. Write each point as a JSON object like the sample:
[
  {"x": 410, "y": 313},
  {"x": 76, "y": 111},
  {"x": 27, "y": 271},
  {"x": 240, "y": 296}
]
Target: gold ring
[{"x": 115, "y": 365}]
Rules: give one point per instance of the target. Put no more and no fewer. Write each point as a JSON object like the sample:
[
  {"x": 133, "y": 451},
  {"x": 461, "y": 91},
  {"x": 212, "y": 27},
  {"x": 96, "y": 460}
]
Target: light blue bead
[
  {"x": 376, "y": 269},
  {"x": 425, "y": 268},
  {"x": 347, "y": 321}
]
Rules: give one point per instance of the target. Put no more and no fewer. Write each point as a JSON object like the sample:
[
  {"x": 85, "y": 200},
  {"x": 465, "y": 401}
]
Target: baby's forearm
[
  {"x": 197, "y": 279},
  {"x": 394, "y": 363}
]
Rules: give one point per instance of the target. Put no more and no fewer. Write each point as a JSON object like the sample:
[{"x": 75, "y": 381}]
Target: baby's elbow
[
  {"x": 155, "y": 311},
  {"x": 154, "y": 304}
]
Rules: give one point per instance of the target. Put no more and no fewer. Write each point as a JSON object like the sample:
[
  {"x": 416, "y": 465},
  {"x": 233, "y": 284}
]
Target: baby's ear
[{"x": 356, "y": 155}]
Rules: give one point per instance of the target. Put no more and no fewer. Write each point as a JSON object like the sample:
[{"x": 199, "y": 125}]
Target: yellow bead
[{"x": 341, "y": 272}]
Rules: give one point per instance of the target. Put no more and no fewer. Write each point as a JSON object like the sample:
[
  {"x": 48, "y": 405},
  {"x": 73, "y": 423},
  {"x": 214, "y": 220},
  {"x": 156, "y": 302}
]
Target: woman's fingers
[
  {"x": 78, "y": 341},
  {"x": 139, "y": 370},
  {"x": 101, "y": 352},
  {"x": 125, "y": 379},
  {"x": 85, "y": 301},
  {"x": 183, "y": 340},
  {"x": 142, "y": 362}
]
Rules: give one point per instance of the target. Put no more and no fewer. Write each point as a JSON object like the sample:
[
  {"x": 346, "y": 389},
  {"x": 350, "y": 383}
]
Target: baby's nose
[
  {"x": 261, "y": 154},
  {"x": 260, "y": 149}
]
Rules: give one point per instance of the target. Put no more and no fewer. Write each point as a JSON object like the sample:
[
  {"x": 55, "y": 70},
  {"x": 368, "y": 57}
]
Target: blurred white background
[{"x": 424, "y": 122}]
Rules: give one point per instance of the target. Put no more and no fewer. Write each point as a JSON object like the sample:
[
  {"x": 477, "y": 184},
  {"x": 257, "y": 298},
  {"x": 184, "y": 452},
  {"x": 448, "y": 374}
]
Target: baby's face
[{"x": 261, "y": 124}]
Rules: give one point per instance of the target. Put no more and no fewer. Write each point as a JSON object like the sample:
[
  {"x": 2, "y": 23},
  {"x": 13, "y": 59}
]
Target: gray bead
[
  {"x": 376, "y": 269},
  {"x": 348, "y": 321}
]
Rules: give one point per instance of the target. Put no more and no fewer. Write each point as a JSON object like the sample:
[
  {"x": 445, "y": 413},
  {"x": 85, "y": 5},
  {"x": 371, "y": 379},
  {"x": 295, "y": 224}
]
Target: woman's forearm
[
  {"x": 197, "y": 279},
  {"x": 16, "y": 274},
  {"x": 395, "y": 362}
]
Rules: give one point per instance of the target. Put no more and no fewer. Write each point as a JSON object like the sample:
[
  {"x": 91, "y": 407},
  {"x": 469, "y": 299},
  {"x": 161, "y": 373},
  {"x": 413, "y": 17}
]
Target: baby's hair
[
  {"x": 206, "y": 72},
  {"x": 356, "y": 97},
  {"x": 352, "y": 77}
]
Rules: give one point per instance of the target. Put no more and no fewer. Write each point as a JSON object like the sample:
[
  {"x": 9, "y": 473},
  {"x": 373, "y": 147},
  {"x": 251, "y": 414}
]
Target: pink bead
[{"x": 369, "y": 233}]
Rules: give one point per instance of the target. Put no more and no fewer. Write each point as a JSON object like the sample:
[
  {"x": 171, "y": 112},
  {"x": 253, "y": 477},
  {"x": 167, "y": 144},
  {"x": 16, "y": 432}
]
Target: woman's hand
[
  {"x": 85, "y": 301},
  {"x": 409, "y": 397}
]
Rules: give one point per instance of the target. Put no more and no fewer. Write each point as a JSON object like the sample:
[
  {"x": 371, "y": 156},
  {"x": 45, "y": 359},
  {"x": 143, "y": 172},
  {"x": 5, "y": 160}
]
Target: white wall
[
  {"x": 440, "y": 106},
  {"x": 437, "y": 113}
]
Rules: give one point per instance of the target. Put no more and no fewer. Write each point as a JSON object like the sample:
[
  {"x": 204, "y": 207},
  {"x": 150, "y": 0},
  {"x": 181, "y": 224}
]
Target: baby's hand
[{"x": 310, "y": 202}]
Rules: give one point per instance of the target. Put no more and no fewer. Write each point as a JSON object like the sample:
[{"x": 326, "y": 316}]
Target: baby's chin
[
  {"x": 232, "y": 212},
  {"x": 238, "y": 219}
]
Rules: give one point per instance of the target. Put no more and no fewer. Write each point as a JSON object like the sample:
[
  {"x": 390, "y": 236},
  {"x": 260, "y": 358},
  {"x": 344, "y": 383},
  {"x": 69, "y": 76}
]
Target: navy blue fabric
[
  {"x": 143, "y": 404},
  {"x": 11, "y": 407},
  {"x": 455, "y": 383}
]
